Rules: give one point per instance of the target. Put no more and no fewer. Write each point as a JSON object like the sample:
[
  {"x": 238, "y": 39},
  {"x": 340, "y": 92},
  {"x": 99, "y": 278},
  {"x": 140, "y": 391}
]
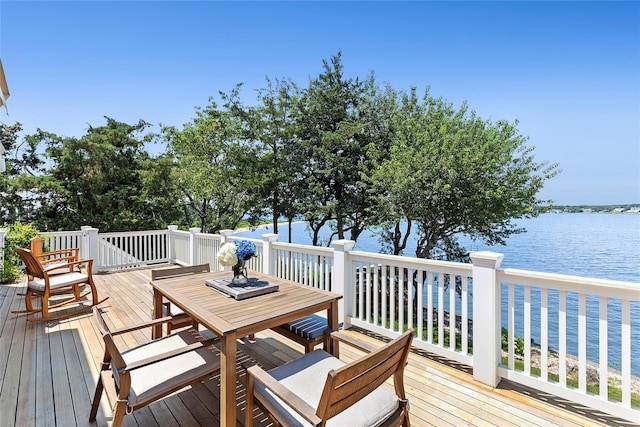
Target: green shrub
[
  {"x": 18, "y": 236},
  {"x": 518, "y": 342}
]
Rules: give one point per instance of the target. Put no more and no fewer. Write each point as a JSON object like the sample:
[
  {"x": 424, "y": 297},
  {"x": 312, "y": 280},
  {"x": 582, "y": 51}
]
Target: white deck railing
[
  {"x": 386, "y": 294},
  {"x": 57, "y": 240},
  {"x": 387, "y": 282},
  {"x": 586, "y": 314},
  {"x": 309, "y": 265},
  {"x": 130, "y": 249}
]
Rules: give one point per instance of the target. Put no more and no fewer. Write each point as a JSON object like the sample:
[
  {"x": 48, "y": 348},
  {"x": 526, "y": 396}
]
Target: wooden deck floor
[{"x": 48, "y": 374}]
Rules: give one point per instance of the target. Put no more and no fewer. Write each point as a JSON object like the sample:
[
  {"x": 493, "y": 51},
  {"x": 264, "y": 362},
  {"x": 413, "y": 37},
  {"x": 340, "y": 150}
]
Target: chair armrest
[
  {"x": 82, "y": 261},
  {"x": 148, "y": 324},
  {"x": 78, "y": 262},
  {"x": 160, "y": 357},
  {"x": 71, "y": 252},
  {"x": 308, "y": 412},
  {"x": 65, "y": 259},
  {"x": 89, "y": 273},
  {"x": 354, "y": 342}
]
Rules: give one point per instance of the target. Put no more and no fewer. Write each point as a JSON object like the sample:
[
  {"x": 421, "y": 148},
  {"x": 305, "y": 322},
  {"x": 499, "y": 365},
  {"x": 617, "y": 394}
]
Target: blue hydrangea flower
[{"x": 245, "y": 249}]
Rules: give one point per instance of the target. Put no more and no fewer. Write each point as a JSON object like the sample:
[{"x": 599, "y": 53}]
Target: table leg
[
  {"x": 228, "y": 381},
  {"x": 156, "y": 330},
  {"x": 332, "y": 319}
]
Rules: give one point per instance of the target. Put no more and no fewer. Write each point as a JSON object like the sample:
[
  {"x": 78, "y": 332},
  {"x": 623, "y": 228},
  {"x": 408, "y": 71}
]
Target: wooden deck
[{"x": 48, "y": 374}]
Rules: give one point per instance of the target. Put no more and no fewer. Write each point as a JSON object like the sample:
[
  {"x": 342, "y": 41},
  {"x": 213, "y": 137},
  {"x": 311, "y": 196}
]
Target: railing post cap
[
  {"x": 86, "y": 229},
  {"x": 227, "y": 233},
  {"x": 172, "y": 227},
  {"x": 486, "y": 259},
  {"x": 194, "y": 230},
  {"x": 270, "y": 237},
  {"x": 343, "y": 244}
]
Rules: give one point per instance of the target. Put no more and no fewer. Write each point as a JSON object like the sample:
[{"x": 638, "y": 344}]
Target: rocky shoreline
[{"x": 593, "y": 370}]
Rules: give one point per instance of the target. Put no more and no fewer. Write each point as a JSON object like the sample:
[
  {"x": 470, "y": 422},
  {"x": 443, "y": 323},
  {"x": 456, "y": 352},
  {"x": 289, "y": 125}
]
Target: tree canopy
[
  {"x": 104, "y": 179},
  {"x": 344, "y": 154},
  {"x": 450, "y": 172}
]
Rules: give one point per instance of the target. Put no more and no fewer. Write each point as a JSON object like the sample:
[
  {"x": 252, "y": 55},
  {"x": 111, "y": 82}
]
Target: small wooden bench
[{"x": 307, "y": 331}]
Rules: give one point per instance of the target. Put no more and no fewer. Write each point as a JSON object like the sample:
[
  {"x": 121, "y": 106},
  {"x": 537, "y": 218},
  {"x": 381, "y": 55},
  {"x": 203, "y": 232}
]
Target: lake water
[{"x": 603, "y": 246}]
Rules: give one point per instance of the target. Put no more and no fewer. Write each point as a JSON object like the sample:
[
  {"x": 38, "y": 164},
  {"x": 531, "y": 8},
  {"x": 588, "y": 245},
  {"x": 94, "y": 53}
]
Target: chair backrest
[
  {"x": 112, "y": 353},
  {"x": 35, "y": 246},
  {"x": 165, "y": 273},
  {"x": 349, "y": 384},
  {"x": 33, "y": 267},
  {"x": 102, "y": 325}
]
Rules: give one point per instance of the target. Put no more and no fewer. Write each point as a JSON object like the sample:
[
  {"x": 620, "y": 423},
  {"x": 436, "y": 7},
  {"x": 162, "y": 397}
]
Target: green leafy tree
[
  {"x": 160, "y": 196},
  {"x": 270, "y": 128},
  {"x": 332, "y": 152},
  {"x": 22, "y": 163},
  {"x": 401, "y": 111},
  {"x": 451, "y": 172},
  {"x": 96, "y": 180},
  {"x": 375, "y": 139},
  {"x": 214, "y": 168}
]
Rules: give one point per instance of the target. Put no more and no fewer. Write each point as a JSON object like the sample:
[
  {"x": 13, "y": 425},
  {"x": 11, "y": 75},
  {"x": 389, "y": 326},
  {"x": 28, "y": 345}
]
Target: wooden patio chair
[
  {"x": 318, "y": 389},
  {"x": 180, "y": 319},
  {"x": 148, "y": 372},
  {"x": 55, "y": 262},
  {"x": 67, "y": 280}
]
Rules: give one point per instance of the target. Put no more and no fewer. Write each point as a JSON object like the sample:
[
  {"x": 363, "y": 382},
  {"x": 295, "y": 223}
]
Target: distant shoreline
[
  {"x": 266, "y": 225},
  {"x": 589, "y": 209}
]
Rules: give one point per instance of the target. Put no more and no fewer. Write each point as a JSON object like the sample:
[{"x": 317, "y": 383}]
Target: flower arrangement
[{"x": 234, "y": 255}]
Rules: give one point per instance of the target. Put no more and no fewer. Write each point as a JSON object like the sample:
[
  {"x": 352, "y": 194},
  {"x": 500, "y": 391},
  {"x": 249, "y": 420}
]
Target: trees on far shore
[{"x": 343, "y": 153}]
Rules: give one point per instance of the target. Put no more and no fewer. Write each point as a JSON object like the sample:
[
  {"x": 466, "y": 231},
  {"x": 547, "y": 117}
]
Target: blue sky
[{"x": 568, "y": 71}]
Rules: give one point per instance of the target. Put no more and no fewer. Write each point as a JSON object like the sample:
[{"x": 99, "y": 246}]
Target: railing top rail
[
  {"x": 206, "y": 235},
  {"x": 256, "y": 241},
  {"x": 134, "y": 233},
  {"x": 61, "y": 233},
  {"x": 302, "y": 248},
  {"x": 584, "y": 285},
  {"x": 405, "y": 261}
]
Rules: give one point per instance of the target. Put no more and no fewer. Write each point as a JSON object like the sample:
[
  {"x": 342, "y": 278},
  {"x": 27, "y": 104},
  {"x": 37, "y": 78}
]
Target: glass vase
[{"x": 239, "y": 274}]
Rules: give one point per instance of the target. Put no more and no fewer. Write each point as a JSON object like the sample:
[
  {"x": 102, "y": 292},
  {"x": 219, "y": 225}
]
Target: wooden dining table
[{"x": 231, "y": 319}]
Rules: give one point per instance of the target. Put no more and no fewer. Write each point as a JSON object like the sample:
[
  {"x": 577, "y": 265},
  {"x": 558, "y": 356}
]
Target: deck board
[{"x": 48, "y": 374}]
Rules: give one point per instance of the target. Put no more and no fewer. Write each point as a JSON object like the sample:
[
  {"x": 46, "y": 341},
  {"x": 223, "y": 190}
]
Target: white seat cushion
[
  {"x": 148, "y": 381},
  {"x": 59, "y": 281},
  {"x": 306, "y": 377}
]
